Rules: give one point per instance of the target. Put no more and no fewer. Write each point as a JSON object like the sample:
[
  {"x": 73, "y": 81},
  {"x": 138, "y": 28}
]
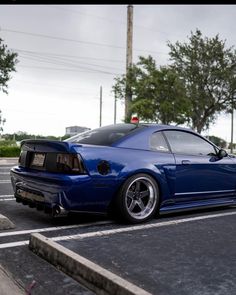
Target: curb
[
  {"x": 5, "y": 223},
  {"x": 89, "y": 274},
  {"x": 8, "y": 284}
]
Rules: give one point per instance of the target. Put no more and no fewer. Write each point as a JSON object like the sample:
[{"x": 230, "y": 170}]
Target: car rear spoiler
[{"x": 46, "y": 145}]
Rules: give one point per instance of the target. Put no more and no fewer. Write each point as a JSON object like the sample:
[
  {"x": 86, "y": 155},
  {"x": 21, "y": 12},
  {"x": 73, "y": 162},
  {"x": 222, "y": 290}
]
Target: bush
[
  {"x": 9, "y": 151},
  {"x": 7, "y": 143}
]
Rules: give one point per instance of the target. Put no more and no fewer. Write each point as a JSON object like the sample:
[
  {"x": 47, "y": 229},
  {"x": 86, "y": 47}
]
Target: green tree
[
  {"x": 157, "y": 93},
  {"x": 220, "y": 142},
  {"x": 232, "y": 146},
  {"x": 208, "y": 69},
  {"x": 8, "y": 61}
]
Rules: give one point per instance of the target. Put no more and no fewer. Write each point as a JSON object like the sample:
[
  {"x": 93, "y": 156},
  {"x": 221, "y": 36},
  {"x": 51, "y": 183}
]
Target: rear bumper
[{"x": 49, "y": 191}]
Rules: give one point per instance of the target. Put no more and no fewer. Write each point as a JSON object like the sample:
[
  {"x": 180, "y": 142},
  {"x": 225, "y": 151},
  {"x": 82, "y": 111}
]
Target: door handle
[{"x": 186, "y": 162}]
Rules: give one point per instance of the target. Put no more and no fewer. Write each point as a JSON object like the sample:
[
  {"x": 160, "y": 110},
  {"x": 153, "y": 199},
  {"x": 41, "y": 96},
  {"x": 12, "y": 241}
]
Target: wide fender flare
[{"x": 158, "y": 175}]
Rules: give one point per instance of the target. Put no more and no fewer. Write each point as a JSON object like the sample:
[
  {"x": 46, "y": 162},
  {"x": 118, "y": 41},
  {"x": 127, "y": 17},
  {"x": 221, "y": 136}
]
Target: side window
[
  {"x": 186, "y": 143},
  {"x": 158, "y": 143}
]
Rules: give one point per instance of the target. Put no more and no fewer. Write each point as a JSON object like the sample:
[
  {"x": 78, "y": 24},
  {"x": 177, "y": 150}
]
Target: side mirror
[{"x": 222, "y": 153}]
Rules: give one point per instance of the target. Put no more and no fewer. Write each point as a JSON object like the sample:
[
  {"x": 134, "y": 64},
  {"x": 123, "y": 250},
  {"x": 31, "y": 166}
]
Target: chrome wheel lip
[{"x": 136, "y": 199}]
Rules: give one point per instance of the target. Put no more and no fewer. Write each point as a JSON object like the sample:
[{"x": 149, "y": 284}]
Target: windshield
[{"x": 104, "y": 135}]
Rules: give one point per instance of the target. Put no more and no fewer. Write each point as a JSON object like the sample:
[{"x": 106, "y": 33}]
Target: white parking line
[
  {"x": 6, "y": 196},
  {"x": 5, "y": 173},
  {"x": 26, "y": 242},
  {"x": 139, "y": 227},
  {"x": 14, "y": 244},
  {"x": 5, "y": 181},
  {"x": 121, "y": 230},
  {"x": 38, "y": 230},
  {"x": 5, "y": 162}
]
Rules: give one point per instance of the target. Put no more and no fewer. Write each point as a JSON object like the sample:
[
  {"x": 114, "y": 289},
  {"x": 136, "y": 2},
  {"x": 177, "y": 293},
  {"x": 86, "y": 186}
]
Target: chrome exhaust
[{"x": 58, "y": 210}]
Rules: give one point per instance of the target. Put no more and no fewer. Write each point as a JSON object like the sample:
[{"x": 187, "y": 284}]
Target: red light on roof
[{"x": 134, "y": 120}]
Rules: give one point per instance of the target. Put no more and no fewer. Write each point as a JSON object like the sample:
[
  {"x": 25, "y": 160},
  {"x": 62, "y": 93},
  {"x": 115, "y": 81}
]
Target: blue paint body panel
[{"x": 207, "y": 180}]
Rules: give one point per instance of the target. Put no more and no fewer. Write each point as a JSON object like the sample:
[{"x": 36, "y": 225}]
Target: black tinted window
[
  {"x": 158, "y": 142},
  {"x": 105, "y": 135},
  {"x": 186, "y": 143}
]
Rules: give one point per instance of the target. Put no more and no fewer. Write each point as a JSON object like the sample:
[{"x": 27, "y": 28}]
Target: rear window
[{"x": 105, "y": 135}]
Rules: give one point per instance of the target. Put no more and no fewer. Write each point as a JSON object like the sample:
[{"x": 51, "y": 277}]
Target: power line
[
  {"x": 61, "y": 38},
  {"x": 107, "y": 19},
  {"x": 76, "y": 41},
  {"x": 65, "y": 55},
  {"x": 70, "y": 70},
  {"x": 87, "y": 14},
  {"x": 57, "y": 61}
]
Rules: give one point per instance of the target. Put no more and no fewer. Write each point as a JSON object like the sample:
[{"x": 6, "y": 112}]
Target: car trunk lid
[{"x": 51, "y": 156}]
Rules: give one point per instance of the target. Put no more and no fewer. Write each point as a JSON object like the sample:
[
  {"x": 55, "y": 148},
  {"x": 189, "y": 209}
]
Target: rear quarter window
[{"x": 158, "y": 143}]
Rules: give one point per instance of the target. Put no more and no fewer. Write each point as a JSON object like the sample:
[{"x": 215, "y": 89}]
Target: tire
[{"x": 138, "y": 199}]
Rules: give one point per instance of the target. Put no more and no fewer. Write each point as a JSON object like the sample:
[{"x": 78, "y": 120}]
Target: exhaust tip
[{"x": 58, "y": 210}]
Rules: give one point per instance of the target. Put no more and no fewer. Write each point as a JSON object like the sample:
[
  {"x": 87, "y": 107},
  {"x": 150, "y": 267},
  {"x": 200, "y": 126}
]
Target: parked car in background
[{"x": 132, "y": 170}]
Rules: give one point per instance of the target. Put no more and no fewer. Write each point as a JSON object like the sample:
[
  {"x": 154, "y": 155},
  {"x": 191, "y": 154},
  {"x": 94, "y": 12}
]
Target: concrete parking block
[
  {"x": 5, "y": 223},
  {"x": 91, "y": 275}
]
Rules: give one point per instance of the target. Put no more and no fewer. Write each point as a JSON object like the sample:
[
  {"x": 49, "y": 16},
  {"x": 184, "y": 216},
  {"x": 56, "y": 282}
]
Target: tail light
[
  {"x": 52, "y": 162},
  {"x": 70, "y": 163}
]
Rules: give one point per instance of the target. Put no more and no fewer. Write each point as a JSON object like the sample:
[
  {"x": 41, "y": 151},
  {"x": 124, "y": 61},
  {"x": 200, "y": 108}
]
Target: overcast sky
[{"x": 66, "y": 52}]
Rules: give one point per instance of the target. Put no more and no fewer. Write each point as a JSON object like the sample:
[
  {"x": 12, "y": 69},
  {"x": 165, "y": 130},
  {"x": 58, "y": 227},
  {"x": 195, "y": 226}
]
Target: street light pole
[{"x": 232, "y": 131}]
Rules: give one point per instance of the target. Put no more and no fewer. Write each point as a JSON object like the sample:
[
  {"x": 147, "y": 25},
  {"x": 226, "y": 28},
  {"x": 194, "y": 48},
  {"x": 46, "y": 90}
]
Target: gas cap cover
[{"x": 103, "y": 167}]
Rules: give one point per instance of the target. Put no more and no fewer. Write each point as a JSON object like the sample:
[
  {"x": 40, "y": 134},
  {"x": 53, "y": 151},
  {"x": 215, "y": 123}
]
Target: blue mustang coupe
[{"x": 133, "y": 170}]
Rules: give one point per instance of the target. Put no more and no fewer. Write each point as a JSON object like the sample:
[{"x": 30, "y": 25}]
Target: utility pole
[
  {"x": 100, "y": 116},
  {"x": 129, "y": 53}
]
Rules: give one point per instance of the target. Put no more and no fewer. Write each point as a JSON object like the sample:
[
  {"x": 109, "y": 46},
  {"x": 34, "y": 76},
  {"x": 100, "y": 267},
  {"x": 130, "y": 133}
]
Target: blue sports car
[{"x": 133, "y": 170}]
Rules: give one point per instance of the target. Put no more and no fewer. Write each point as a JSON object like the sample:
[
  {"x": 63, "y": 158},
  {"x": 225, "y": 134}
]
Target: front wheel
[{"x": 138, "y": 198}]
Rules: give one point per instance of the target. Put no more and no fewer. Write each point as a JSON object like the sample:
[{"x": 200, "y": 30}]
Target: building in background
[{"x": 73, "y": 130}]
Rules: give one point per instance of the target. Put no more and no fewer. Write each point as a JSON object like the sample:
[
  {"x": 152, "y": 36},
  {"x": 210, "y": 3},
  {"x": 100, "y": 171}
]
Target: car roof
[
  {"x": 163, "y": 126},
  {"x": 137, "y": 136}
]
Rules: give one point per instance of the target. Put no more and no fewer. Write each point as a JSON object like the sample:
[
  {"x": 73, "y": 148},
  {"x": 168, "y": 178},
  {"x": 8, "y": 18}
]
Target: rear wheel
[{"x": 138, "y": 198}]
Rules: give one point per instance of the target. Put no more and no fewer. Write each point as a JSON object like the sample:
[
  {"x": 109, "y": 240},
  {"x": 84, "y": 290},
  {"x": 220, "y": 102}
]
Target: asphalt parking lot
[{"x": 188, "y": 253}]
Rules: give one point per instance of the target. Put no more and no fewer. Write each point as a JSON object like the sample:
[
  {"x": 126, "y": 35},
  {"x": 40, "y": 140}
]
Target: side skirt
[{"x": 194, "y": 205}]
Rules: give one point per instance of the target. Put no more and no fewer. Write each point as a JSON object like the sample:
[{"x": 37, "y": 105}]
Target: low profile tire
[{"x": 138, "y": 199}]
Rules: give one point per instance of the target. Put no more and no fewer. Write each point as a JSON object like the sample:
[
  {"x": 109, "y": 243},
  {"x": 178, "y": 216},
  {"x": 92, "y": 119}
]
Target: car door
[{"x": 200, "y": 174}]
